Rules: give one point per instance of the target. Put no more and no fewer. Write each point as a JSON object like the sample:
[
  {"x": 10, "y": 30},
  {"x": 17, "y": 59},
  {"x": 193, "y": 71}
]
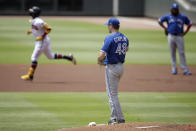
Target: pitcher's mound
[{"x": 136, "y": 127}]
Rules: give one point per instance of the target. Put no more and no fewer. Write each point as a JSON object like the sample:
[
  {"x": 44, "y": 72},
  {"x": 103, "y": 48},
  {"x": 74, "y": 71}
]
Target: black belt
[
  {"x": 176, "y": 34},
  {"x": 115, "y": 63}
]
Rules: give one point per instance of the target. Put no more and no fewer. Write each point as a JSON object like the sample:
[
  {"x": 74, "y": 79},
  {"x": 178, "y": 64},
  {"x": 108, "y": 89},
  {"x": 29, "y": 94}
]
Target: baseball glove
[{"x": 102, "y": 63}]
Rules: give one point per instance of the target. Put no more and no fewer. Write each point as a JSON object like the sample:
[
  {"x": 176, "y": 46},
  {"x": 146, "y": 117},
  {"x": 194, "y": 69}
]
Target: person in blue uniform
[
  {"x": 113, "y": 53},
  {"x": 175, "y": 32}
]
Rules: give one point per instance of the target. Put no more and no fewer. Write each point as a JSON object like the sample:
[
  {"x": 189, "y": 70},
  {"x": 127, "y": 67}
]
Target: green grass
[
  {"x": 85, "y": 40},
  {"x": 50, "y": 111}
]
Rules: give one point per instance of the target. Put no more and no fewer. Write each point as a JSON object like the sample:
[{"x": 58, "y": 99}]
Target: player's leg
[
  {"x": 180, "y": 46},
  {"x": 173, "y": 46},
  {"x": 113, "y": 116},
  {"x": 118, "y": 72},
  {"x": 36, "y": 54},
  {"x": 113, "y": 73},
  {"x": 50, "y": 55},
  {"x": 69, "y": 57}
]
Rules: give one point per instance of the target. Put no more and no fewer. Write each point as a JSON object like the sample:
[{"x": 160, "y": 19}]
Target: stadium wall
[
  {"x": 139, "y": 8},
  {"x": 73, "y": 7},
  {"x": 157, "y": 8}
]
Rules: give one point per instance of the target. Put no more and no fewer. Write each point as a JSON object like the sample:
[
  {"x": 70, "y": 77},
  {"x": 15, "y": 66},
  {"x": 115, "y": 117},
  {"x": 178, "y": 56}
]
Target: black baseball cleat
[
  {"x": 121, "y": 121},
  {"x": 187, "y": 73},
  {"x": 174, "y": 72},
  {"x": 112, "y": 122}
]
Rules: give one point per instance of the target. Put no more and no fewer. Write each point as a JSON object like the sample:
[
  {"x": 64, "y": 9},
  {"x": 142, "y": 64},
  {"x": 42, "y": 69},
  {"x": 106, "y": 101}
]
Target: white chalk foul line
[{"x": 145, "y": 127}]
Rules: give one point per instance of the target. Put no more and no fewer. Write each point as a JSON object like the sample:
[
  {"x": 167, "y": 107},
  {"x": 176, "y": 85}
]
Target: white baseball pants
[{"x": 42, "y": 47}]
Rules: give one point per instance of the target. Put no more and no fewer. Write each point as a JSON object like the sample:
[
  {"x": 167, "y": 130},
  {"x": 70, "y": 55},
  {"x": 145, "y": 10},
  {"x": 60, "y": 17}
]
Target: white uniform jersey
[
  {"x": 37, "y": 27},
  {"x": 42, "y": 46}
]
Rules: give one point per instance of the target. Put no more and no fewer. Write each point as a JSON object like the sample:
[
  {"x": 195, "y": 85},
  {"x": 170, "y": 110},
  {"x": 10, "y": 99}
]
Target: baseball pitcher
[
  {"x": 175, "y": 32},
  {"x": 40, "y": 30},
  {"x": 113, "y": 55}
]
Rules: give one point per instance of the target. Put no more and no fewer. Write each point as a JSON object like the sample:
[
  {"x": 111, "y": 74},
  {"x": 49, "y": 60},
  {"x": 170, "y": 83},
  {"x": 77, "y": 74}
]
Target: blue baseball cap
[
  {"x": 113, "y": 21},
  {"x": 175, "y": 6}
]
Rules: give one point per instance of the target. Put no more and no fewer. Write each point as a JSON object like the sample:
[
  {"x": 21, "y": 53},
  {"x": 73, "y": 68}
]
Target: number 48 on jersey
[{"x": 121, "y": 48}]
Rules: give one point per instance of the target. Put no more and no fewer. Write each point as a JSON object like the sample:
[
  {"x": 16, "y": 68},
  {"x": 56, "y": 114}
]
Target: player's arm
[
  {"x": 104, "y": 50},
  {"x": 29, "y": 32},
  {"x": 187, "y": 30},
  {"x": 164, "y": 27},
  {"x": 101, "y": 57},
  {"x": 161, "y": 23},
  {"x": 47, "y": 28},
  {"x": 47, "y": 31},
  {"x": 189, "y": 25}
]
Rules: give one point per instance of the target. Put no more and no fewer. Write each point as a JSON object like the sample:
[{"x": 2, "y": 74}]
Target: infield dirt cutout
[
  {"x": 136, "y": 127},
  {"x": 90, "y": 78}
]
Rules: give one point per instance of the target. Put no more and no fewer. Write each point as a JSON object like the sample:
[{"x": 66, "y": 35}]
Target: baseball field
[{"x": 67, "y": 96}]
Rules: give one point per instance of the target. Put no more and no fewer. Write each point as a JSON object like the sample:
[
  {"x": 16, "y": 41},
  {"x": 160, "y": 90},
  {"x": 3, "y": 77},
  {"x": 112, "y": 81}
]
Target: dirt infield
[
  {"x": 136, "y": 127},
  {"x": 90, "y": 78}
]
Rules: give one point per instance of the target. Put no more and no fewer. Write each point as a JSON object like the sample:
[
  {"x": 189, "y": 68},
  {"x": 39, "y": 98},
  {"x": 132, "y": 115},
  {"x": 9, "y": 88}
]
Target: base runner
[
  {"x": 40, "y": 30},
  {"x": 113, "y": 55},
  {"x": 175, "y": 32}
]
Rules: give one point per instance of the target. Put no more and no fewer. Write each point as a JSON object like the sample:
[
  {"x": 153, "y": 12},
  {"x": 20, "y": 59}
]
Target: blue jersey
[
  {"x": 115, "y": 47},
  {"x": 175, "y": 23}
]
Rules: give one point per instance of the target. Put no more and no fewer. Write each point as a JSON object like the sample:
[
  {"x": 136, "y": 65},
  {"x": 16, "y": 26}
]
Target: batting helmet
[{"x": 34, "y": 11}]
